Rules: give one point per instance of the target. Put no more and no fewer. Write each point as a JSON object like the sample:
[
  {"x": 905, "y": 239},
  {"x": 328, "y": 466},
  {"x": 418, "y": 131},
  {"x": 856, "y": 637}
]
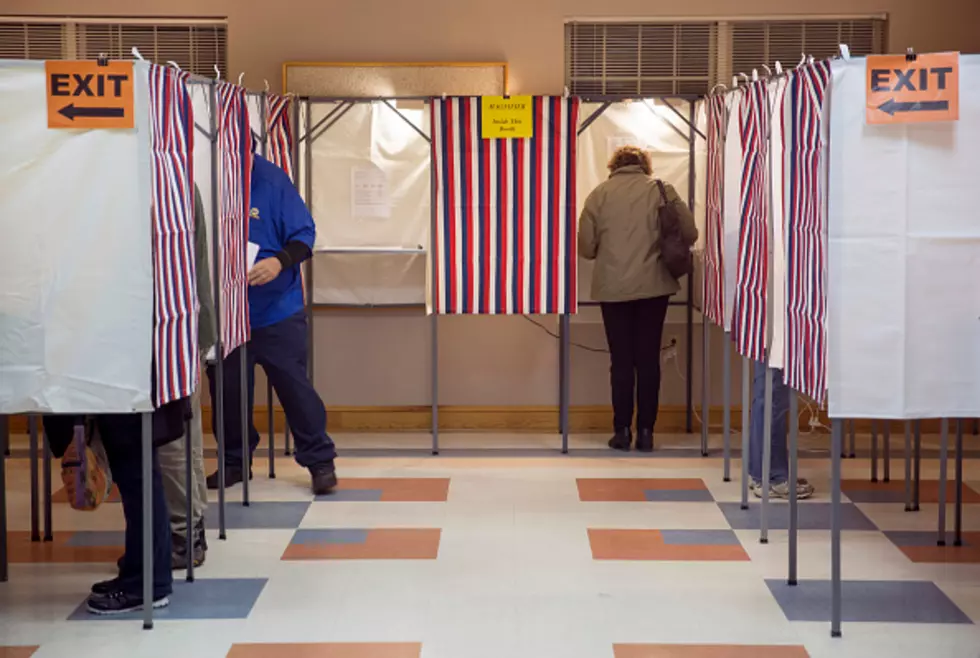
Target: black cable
[{"x": 587, "y": 348}]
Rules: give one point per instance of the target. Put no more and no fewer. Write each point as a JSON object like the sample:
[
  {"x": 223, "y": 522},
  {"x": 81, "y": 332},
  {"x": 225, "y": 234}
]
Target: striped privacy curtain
[
  {"x": 234, "y": 182},
  {"x": 505, "y": 234},
  {"x": 175, "y": 304}
]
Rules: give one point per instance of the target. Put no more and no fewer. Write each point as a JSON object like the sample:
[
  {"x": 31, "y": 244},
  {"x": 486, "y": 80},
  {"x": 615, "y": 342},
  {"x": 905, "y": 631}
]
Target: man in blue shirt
[{"x": 282, "y": 227}]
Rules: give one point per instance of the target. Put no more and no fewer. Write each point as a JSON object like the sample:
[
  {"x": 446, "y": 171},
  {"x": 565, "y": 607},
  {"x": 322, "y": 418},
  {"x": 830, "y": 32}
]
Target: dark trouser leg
[
  {"x": 648, "y": 330},
  {"x": 233, "y": 410},
  {"x": 617, "y": 318},
  {"x": 281, "y": 351},
  {"x": 121, "y": 436}
]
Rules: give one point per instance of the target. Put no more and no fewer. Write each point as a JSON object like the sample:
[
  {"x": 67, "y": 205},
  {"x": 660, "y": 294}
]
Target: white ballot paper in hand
[{"x": 253, "y": 254}]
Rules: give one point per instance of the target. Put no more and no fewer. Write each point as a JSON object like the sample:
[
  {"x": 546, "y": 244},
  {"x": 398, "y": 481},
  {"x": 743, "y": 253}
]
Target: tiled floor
[{"x": 519, "y": 554}]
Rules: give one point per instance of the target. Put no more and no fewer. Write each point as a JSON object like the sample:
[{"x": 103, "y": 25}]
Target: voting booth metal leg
[
  {"x": 835, "y": 528},
  {"x": 217, "y": 407},
  {"x": 958, "y": 509},
  {"x": 908, "y": 466},
  {"x": 874, "y": 451},
  {"x": 887, "y": 452},
  {"x": 726, "y": 420},
  {"x": 794, "y": 503},
  {"x": 561, "y": 378},
  {"x": 852, "y": 452},
  {"x": 147, "y": 468},
  {"x": 272, "y": 431},
  {"x": 46, "y": 478},
  {"x": 5, "y": 442},
  {"x": 286, "y": 441},
  {"x": 246, "y": 424},
  {"x": 767, "y": 460},
  {"x": 918, "y": 466},
  {"x": 434, "y": 367},
  {"x": 191, "y": 527},
  {"x": 705, "y": 386},
  {"x": 746, "y": 405},
  {"x": 566, "y": 363},
  {"x": 35, "y": 476},
  {"x": 943, "y": 478}
]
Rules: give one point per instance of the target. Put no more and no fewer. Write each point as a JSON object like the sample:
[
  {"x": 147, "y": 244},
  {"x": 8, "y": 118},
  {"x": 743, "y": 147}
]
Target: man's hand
[{"x": 264, "y": 271}]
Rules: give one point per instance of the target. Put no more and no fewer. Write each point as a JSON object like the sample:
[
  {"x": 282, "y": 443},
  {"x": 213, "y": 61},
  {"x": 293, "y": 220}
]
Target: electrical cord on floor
[{"x": 587, "y": 348}]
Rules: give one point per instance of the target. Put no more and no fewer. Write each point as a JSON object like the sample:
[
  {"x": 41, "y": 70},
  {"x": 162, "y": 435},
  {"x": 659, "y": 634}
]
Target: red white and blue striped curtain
[
  {"x": 714, "y": 287},
  {"x": 505, "y": 239},
  {"x": 175, "y": 303},
  {"x": 749, "y": 316},
  {"x": 806, "y": 233},
  {"x": 279, "y": 134},
  {"x": 234, "y": 182}
]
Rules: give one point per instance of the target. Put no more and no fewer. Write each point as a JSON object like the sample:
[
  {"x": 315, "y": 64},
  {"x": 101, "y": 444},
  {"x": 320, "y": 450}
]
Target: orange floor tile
[
  {"x": 617, "y": 490},
  {"x": 393, "y": 544},
  {"x": 649, "y": 545},
  {"x": 24, "y": 551},
  {"x": 370, "y": 650}
]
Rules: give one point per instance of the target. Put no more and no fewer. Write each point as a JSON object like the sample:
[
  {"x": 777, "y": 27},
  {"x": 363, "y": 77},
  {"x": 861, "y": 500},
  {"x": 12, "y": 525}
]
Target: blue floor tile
[
  {"x": 330, "y": 536},
  {"x": 206, "y": 598},
  {"x": 885, "y": 601},
  {"x": 700, "y": 537},
  {"x": 352, "y": 496},
  {"x": 266, "y": 515},
  {"x": 679, "y": 496},
  {"x": 813, "y": 516},
  {"x": 96, "y": 538}
]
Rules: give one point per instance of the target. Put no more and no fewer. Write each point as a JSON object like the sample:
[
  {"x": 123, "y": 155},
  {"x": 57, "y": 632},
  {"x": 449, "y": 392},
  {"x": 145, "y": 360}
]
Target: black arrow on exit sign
[
  {"x": 891, "y": 107},
  {"x": 70, "y": 112}
]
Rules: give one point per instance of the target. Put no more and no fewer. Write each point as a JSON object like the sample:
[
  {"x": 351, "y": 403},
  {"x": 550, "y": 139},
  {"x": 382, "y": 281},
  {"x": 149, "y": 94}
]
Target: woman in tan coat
[{"x": 619, "y": 230}]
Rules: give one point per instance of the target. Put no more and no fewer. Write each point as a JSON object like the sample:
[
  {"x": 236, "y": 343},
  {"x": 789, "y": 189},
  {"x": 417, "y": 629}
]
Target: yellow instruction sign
[{"x": 507, "y": 118}]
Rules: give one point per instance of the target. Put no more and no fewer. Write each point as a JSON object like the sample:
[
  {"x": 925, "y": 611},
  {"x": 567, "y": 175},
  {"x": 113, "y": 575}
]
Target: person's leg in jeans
[
  {"x": 281, "y": 351},
  {"x": 648, "y": 330},
  {"x": 233, "y": 416},
  {"x": 617, "y": 319},
  {"x": 779, "y": 462},
  {"x": 122, "y": 438},
  {"x": 173, "y": 469}
]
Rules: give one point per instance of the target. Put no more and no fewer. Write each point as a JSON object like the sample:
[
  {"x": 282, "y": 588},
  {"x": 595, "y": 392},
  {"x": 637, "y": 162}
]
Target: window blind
[
  {"x": 639, "y": 59},
  {"x": 689, "y": 58},
  {"x": 196, "y": 46}
]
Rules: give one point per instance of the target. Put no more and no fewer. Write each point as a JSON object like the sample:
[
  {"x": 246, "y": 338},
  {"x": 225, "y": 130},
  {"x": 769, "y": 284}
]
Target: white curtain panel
[
  {"x": 904, "y": 249},
  {"x": 76, "y": 273}
]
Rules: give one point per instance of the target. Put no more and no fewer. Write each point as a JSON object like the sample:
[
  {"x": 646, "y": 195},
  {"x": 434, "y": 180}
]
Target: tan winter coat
[{"x": 619, "y": 230}]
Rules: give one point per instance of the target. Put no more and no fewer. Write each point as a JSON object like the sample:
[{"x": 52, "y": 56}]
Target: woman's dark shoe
[
  {"x": 644, "y": 441},
  {"x": 623, "y": 440}
]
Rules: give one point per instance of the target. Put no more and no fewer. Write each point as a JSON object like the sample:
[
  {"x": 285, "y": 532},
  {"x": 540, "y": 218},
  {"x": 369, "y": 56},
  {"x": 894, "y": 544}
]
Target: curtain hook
[
  {"x": 136, "y": 54},
  {"x": 217, "y": 72}
]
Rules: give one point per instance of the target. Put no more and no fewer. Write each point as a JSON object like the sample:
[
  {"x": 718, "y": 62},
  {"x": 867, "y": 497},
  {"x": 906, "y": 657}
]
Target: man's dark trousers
[{"x": 281, "y": 351}]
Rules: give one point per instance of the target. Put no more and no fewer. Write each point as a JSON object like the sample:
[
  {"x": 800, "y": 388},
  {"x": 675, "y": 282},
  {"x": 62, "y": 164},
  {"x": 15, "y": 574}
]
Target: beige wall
[{"x": 382, "y": 357}]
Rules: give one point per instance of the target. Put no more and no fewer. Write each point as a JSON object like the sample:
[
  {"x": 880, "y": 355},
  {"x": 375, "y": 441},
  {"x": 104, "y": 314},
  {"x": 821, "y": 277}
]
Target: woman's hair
[{"x": 626, "y": 156}]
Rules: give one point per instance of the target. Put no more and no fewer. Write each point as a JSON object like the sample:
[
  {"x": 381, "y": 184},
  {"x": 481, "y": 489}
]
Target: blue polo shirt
[{"x": 278, "y": 216}]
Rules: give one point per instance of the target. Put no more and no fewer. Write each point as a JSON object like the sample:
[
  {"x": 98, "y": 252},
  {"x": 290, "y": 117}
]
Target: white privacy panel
[
  {"x": 370, "y": 191},
  {"x": 76, "y": 267},
  {"x": 904, "y": 250}
]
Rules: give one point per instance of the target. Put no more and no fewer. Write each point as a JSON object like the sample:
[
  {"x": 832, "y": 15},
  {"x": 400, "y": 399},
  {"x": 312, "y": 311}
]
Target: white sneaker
[{"x": 780, "y": 490}]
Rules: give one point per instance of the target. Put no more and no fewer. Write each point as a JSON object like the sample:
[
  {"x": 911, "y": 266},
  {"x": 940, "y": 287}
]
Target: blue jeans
[
  {"x": 779, "y": 464},
  {"x": 281, "y": 351}
]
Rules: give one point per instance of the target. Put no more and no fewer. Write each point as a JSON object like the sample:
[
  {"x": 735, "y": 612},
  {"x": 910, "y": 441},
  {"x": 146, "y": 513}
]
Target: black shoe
[
  {"x": 623, "y": 440},
  {"x": 120, "y": 561},
  {"x": 103, "y": 587},
  {"x": 233, "y": 476},
  {"x": 201, "y": 535},
  {"x": 644, "y": 441},
  {"x": 324, "y": 478},
  {"x": 117, "y": 602},
  {"x": 178, "y": 559}
]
